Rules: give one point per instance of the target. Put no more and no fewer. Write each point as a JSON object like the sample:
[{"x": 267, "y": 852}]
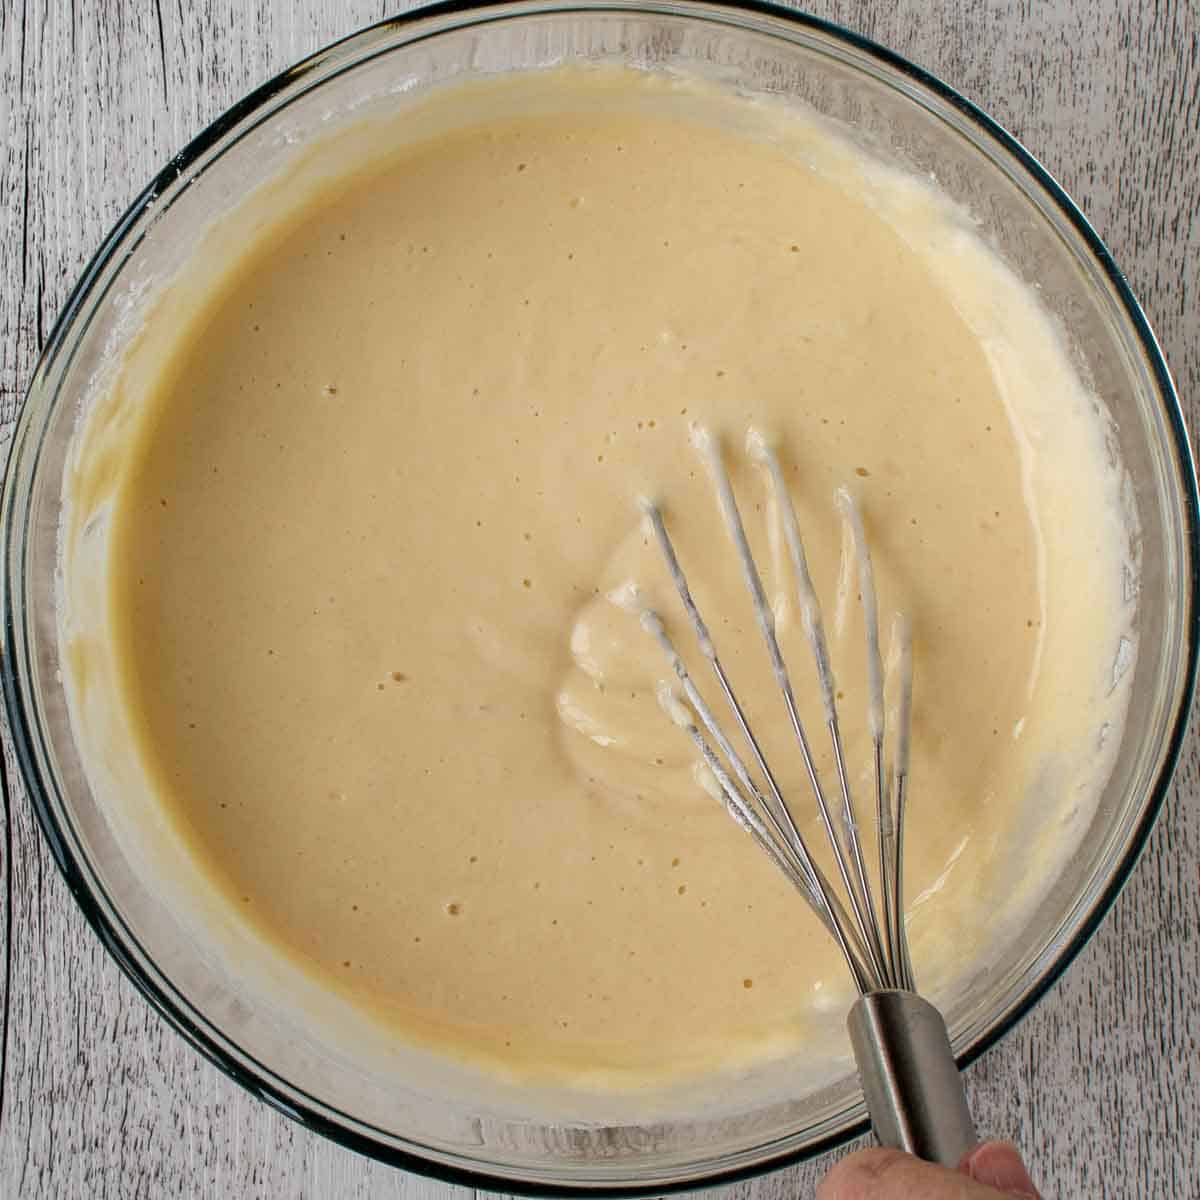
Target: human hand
[{"x": 988, "y": 1172}]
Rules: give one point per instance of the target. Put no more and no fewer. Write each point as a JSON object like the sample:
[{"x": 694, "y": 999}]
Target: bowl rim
[{"x": 25, "y": 729}]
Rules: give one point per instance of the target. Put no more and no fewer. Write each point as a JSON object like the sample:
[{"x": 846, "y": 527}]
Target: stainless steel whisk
[{"x": 910, "y": 1081}]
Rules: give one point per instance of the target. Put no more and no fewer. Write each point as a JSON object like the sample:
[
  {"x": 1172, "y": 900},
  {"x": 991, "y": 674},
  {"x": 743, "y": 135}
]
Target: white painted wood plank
[{"x": 100, "y": 1100}]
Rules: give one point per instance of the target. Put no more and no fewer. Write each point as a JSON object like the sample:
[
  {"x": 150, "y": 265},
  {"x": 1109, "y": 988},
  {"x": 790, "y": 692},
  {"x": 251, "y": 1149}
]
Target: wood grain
[{"x": 1101, "y": 1085}]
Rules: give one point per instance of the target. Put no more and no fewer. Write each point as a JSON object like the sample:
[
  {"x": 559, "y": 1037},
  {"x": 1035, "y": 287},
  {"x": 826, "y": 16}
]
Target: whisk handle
[{"x": 909, "y": 1077}]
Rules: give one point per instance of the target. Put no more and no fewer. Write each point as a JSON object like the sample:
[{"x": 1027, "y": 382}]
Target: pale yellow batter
[{"x": 368, "y": 518}]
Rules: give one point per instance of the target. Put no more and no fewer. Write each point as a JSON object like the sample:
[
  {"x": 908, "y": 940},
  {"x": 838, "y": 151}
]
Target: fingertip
[
  {"x": 999, "y": 1165},
  {"x": 857, "y": 1176}
]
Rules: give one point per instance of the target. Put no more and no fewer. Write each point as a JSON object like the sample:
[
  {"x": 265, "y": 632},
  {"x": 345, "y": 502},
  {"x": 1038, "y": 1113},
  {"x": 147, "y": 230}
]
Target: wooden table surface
[{"x": 98, "y": 1098}]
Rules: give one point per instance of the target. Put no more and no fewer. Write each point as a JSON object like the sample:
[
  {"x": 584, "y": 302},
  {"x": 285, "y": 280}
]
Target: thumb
[{"x": 999, "y": 1165}]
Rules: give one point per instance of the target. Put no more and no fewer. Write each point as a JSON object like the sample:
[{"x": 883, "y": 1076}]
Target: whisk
[{"x": 909, "y": 1077}]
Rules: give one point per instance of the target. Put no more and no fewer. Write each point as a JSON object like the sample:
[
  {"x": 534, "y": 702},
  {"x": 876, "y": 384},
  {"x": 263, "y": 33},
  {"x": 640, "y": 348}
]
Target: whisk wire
[
  {"x": 777, "y": 812},
  {"x": 653, "y": 623},
  {"x": 856, "y": 885},
  {"x": 817, "y": 894},
  {"x": 761, "y": 452},
  {"x": 875, "y": 712},
  {"x": 872, "y": 939},
  {"x": 811, "y": 880},
  {"x": 885, "y": 823},
  {"x": 902, "y": 640}
]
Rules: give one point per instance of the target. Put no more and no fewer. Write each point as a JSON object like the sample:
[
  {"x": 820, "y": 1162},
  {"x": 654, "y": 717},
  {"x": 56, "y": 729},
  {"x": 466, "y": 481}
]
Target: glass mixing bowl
[{"x": 902, "y": 116}]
